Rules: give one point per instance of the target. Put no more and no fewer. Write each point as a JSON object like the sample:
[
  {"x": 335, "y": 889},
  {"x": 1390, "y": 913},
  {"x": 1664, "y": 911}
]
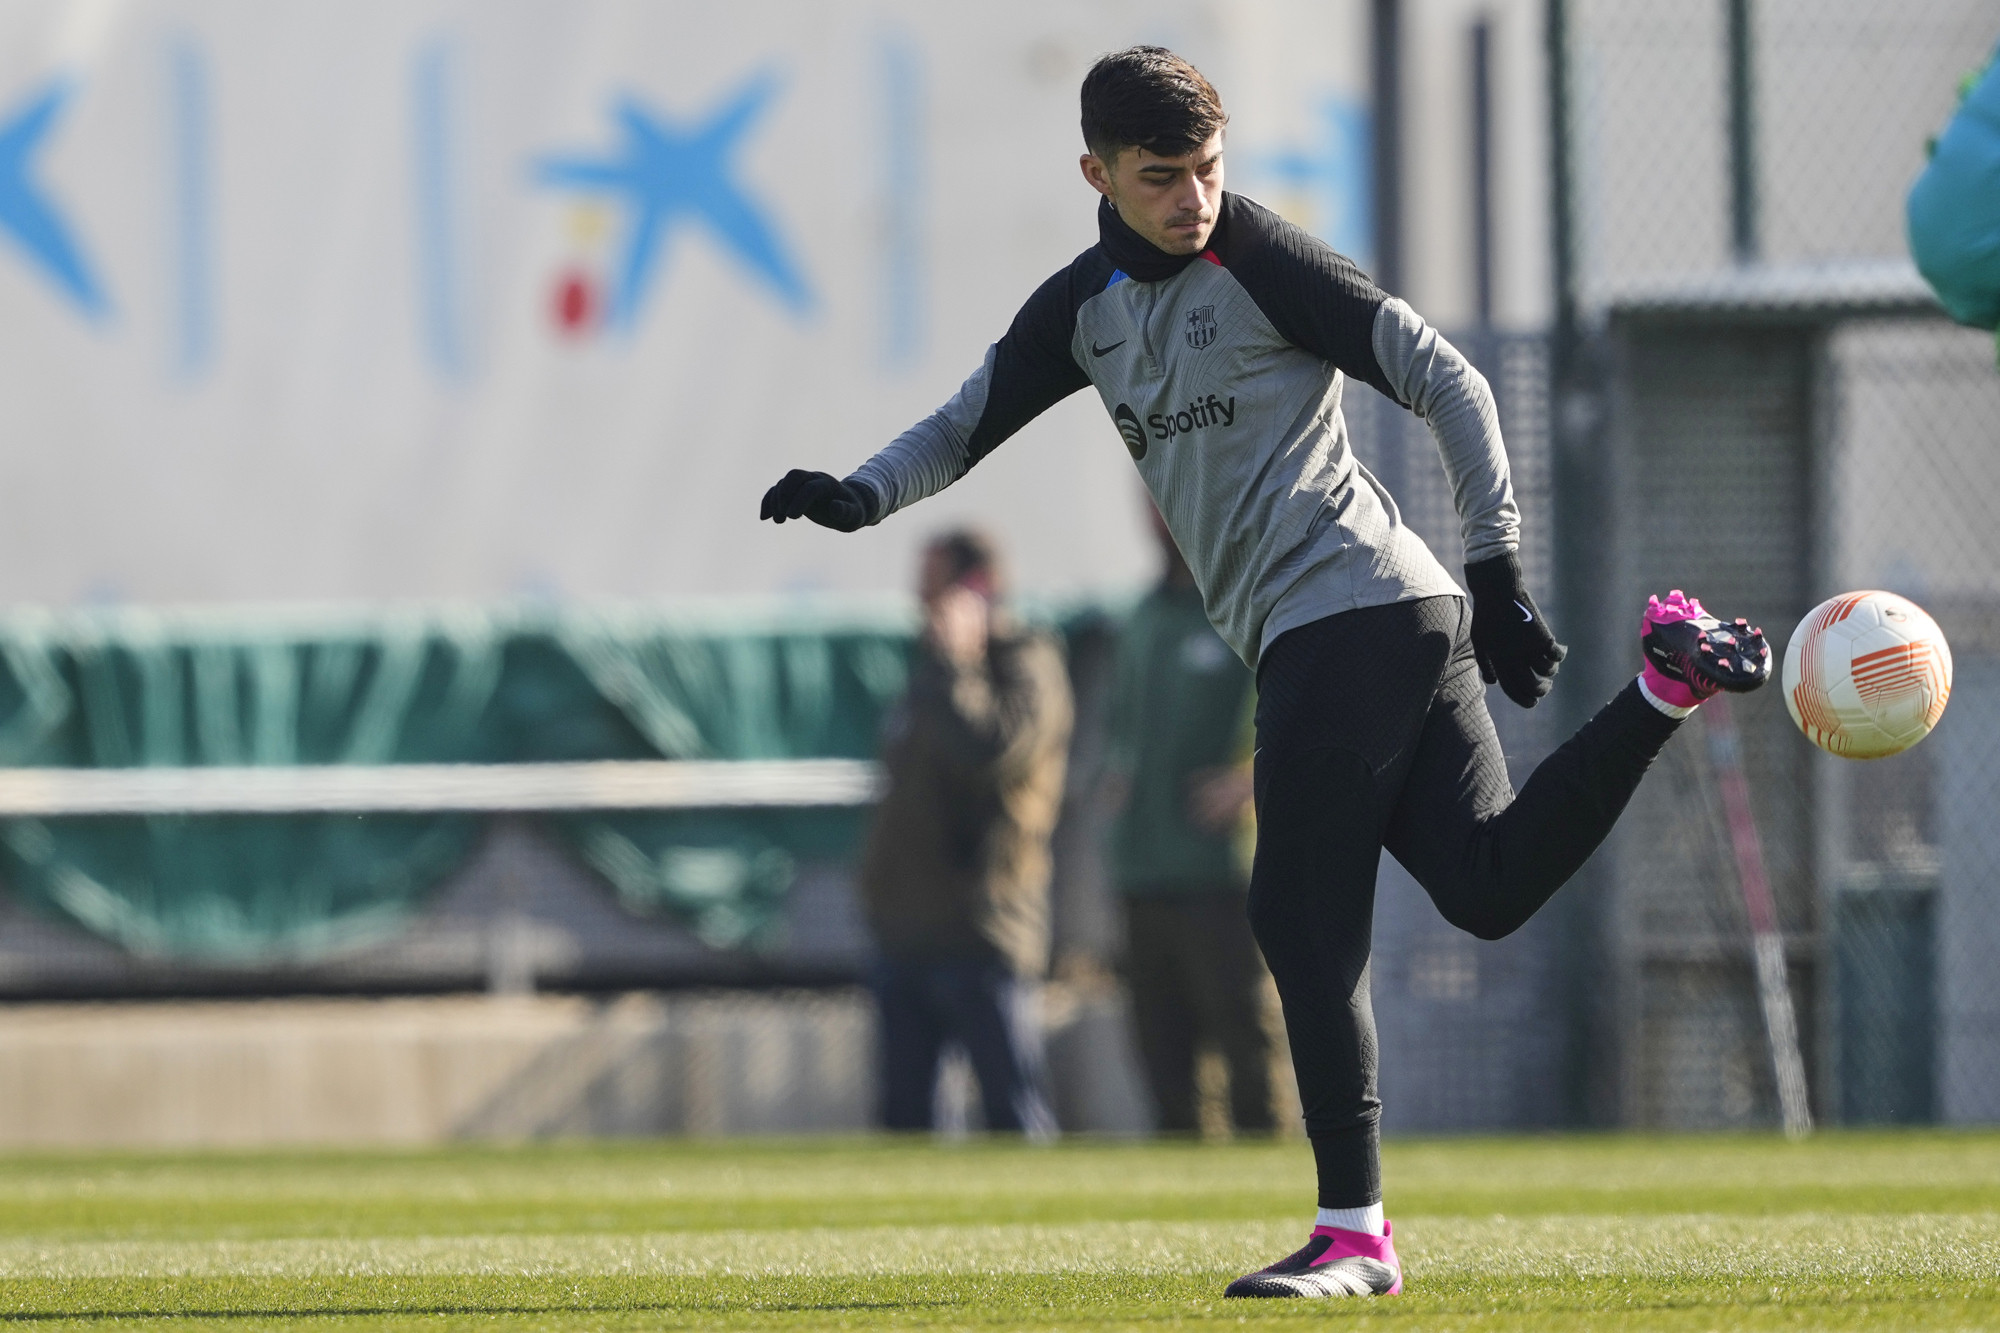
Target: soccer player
[{"x": 1220, "y": 339}]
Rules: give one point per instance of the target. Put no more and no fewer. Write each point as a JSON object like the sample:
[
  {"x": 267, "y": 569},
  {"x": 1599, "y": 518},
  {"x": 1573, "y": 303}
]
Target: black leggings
[{"x": 1372, "y": 732}]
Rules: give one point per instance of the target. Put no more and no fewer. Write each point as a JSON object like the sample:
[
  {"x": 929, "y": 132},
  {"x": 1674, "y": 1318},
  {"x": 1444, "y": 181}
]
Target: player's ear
[{"x": 1097, "y": 171}]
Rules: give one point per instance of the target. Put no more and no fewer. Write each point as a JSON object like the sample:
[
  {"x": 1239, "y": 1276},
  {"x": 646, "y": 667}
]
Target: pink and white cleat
[
  {"x": 1333, "y": 1263},
  {"x": 1690, "y": 655}
]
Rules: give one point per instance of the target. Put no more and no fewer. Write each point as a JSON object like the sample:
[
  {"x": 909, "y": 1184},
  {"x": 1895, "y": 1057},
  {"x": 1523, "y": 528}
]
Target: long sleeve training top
[{"x": 1223, "y": 373}]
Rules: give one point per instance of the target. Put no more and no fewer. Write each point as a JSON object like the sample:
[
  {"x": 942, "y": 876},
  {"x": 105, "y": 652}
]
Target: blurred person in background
[
  {"x": 955, "y": 874},
  {"x": 1180, "y": 778}
]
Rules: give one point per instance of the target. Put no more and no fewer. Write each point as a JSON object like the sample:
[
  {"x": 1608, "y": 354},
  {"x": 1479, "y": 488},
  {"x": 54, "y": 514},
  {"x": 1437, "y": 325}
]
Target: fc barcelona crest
[{"x": 1201, "y": 326}]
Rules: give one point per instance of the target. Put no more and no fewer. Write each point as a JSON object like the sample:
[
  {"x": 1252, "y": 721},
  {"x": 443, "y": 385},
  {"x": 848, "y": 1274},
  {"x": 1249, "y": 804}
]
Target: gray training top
[{"x": 1223, "y": 373}]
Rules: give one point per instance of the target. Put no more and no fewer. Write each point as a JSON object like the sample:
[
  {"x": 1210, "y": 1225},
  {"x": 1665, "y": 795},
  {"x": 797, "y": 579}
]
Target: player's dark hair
[
  {"x": 969, "y": 554},
  {"x": 1148, "y": 97}
]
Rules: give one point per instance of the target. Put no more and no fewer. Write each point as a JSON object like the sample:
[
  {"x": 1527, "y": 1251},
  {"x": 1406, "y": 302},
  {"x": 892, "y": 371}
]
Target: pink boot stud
[{"x": 1691, "y": 655}]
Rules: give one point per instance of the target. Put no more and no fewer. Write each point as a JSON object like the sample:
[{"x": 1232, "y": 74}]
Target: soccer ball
[{"x": 1867, "y": 675}]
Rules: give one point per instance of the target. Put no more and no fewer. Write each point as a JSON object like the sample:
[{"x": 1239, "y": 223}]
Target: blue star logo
[
  {"x": 26, "y": 214},
  {"x": 665, "y": 175}
]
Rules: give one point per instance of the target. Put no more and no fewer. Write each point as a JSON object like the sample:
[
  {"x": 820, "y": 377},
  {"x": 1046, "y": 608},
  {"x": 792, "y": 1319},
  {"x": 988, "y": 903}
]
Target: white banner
[{"x": 406, "y": 298}]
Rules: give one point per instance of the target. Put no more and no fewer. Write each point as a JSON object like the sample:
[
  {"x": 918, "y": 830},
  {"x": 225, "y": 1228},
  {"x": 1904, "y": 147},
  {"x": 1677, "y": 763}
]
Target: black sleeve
[
  {"x": 1028, "y": 371},
  {"x": 1033, "y": 367},
  {"x": 1313, "y": 295}
]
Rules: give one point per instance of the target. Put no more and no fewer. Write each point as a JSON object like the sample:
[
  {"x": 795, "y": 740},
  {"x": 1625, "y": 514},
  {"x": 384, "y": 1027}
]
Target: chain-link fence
[
  {"x": 1781, "y": 131},
  {"x": 1913, "y": 864},
  {"x": 1771, "y": 411}
]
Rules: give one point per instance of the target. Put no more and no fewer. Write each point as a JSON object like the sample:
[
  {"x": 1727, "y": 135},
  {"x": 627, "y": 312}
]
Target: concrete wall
[{"x": 430, "y": 1070}]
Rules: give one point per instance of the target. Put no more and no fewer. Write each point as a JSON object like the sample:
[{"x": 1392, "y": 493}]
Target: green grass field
[{"x": 1845, "y": 1231}]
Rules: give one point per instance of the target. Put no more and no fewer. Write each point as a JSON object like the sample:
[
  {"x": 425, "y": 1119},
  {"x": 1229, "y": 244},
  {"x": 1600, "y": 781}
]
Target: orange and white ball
[{"x": 1867, "y": 674}]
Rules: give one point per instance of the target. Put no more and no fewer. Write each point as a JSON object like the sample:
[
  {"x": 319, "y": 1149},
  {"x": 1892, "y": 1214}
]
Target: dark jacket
[
  {"x": 1178, "y": 708},
  {"x": 957, "y": 860}
]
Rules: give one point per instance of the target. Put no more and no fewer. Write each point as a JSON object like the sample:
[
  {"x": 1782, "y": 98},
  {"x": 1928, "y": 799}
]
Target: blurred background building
[{"x": 391, "y": 385}]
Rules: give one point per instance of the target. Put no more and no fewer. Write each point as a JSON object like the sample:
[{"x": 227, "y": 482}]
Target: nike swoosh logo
[
  {"x": 1526, "y": 614},
  {"x": 1095, "y": 350}
]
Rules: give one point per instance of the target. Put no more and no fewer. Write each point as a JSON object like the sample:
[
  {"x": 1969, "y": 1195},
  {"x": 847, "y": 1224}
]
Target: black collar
[{"x": 1137, "y": 257}]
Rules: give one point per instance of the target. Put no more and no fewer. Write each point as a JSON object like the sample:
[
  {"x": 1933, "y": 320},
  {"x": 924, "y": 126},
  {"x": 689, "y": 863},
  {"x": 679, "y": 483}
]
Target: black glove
[
  {"x": 824, "y": 499},
  {"x": 1509, "y": 636}
]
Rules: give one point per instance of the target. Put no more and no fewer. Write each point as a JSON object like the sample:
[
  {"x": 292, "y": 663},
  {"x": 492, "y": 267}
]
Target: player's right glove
[
  {"x": 1509, "y": 636},
  {"x": 821, "y": 497}
]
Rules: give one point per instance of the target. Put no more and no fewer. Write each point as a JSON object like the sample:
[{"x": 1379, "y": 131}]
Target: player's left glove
[
  {"x": 1509, "y": 635},
  {"x": 821, "y": 497}
]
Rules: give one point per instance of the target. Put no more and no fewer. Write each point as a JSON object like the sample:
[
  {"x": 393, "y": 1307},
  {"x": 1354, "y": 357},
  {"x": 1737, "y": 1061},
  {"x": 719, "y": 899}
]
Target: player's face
[{"x": 1171, "y": 201}]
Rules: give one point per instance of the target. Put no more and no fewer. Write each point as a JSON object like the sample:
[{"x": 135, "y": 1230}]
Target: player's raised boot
[
  {"x": 1691, "y": 655},
  {"x": 1333, "y": 1263}
]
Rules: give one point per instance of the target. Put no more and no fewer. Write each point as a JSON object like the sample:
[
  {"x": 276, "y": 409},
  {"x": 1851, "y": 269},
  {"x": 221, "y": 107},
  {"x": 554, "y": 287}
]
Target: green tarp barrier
[{"x": 443, "y": 685}]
